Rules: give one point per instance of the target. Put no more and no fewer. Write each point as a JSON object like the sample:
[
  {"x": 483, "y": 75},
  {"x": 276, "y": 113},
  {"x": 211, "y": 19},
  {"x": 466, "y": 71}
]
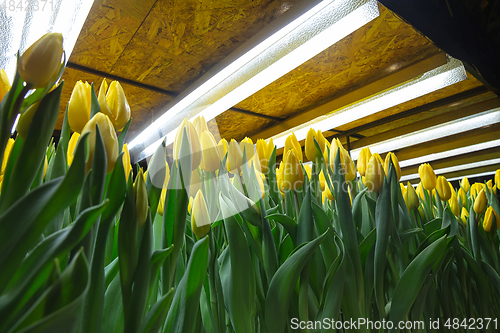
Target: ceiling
[{"x": 157, "y": 49}]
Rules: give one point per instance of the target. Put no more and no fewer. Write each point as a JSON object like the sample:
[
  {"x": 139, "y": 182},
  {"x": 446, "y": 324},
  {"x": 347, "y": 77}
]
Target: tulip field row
[{"x": 224, "y": 239}]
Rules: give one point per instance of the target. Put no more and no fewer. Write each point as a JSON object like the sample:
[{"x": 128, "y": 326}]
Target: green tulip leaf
[
  {"x": 283, "y": 283},
  {"x": 288, "y": 223},
  {"x": 184, "y": 311},
  {"x": 157, "y": 314}
]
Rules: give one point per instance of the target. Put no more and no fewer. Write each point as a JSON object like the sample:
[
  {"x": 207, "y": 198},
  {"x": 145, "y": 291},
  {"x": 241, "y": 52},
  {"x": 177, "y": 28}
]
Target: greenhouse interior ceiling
[{"x": 161, "y": 51}]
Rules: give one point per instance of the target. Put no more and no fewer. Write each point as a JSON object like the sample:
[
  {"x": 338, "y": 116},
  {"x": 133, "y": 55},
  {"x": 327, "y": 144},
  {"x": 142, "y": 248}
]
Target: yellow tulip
[
  {"x": 291, "y": 142},
  {"x": 443, "y": 188},
  {"x": 79, "y": 106},
  {"x": 497, "y": 178},
  {"x": 200, "y": 124},
  {"x": 403, "y": 190},
  {"x": 420, "y": 191},
  {"x": 6, "y": 154},
  {"x": 194, "y": 143},
  {"x": 200, "y": 220},
  {"x": 453, "y": 203},
  {"x": 363, "y": 159},
  {"x": 279, "y": 176},
  {"x": 264, "y": 152},
  {"x": 167, "y": 175},
  {"x": 195, "y": 183},
  {"x": 346, "y": 162},
  {"x": 247, "y": 145},
  {"x": 260, "y": 179},
  {"x": 114, "y": 104},
  {"x": 463, "y": 196},
  {"x": 161, "y": 203},
  {"x": 480, "y": 203},
  {"x": 71, "y": 147},
  {"x": 475, "y": 189},
  {"x": 25, "y": 119},
  {"x": 4, "y": 84},
  {"x": 328, "y": 194},
  {"x": 412, "y": 200},
  {"x": 190, "y": 205},
  {"x": 41, "y": 62},
  {"x": 310, "y": 147},
  {"x": 489, "y": 217},
  {"x": 308, "y": 169},
  {"x": 464, "y": 216},
  {"x": 234, "y": 157},
  {"x": 108, "y": 135},
  {"x": 210, "y": 159},
  {"x": 374, "y": 176},
  {"x": 328, "y": 147},
  {"x": 141, "y": 199},
  {"x": 293, "y": 176},
  {"x": 427, "y": 176},
  {"x": 491, "y": 187},
  {"x": 45, "y": 166},
  {"x": 464, "y": 183},
  {"x": 126, "y": 161},
  {"x": 222, "y": 147},
  {"x": 395, "y": 161},
  {"x": 322, "y": 180}
]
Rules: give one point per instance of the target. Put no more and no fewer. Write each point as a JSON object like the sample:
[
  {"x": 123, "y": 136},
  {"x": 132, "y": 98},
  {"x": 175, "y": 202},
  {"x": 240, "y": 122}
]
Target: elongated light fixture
[
  {"x": 24, "y": 23},
  {"x": 443, "y": 76},
  {"x": 291, "y": 45},
  {"x": 461, "y": 125}
]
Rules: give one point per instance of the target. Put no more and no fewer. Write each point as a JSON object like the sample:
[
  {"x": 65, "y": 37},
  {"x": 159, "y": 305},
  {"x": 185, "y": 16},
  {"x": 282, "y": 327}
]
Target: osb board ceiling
[
  {"x": 164, "y": 44},
  {"x": 378, "y": 49}
]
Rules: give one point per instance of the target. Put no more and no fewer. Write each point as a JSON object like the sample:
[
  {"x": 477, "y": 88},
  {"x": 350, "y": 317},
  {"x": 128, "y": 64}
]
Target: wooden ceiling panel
[
  {"x": 107, "y": 30},
  {"x": 377, "y": 49},
  {"x": 180, "y": 40},
  {"x": 236, "y": 126}
]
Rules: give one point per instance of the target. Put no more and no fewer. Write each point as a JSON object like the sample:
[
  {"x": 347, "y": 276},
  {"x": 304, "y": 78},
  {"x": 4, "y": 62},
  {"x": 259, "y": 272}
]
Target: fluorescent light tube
[
  {"x": 435, "y": 132},
  {"x": 30, "y": 20},
  {"x": 292, "y": 45},
  {"x": 455, "y": 168},
  {"x": 449, "y": 153},
  {"x": 443, "y": 76}
]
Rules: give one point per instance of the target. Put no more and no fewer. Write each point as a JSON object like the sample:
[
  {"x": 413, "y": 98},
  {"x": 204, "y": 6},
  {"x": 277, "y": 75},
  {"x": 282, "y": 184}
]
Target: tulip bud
[
  {"x": 291, "y": 142},
  {"x": 200, "y": 124},
  {"x": 480, "y": 203},
  {"x": 114, "y": 104},
  {"x": 453, "y": 203},
  {"x": 141, "y": 199},
  {"x": 462, "y": 196},
  {"x": 328, "y": 147},
  {"x": 475, "y": 189},
  {"x": 420, "y": 191},
  {"x": 25, "y": 119},
  {"x": 194, "y": 143},
  {"x": 234, "y": 157},
  {"x": 6, "y": 154},
  {"x": 195, "y": 183},
  {"x": 310, "y": 147},
  {"x": 190, "y": 205},
  {"x": 328, "y": 194},
  {"x": 490, "y": 186},
  {"x": 403, "y": 190},
  {"x": 41, "y": 62},
  {"x": 4, "y": 84},
  {"x": 79, "y": 106},
  {"x": 293, "y": 176},
  {"x": 412, "y": 200},
  {"x": 222, "y": 147},
  {"x": 322, "y": 180},
  {"x": 126, "y": 161},
  {"x": 108, "y": 135},
  {"x": 395, "y": 161},
  {"x": 346, "y": 162},
  {"x": 464, "y": 183},
  {"x": 374, "y": 175},
  {"x": 489, "y": 217},
  {"x": 279, "y": 176},
  {"x": 427, "y": 176},
  {"x": 497, "y": 178},
  {"x": 161, "y": 203},
  {"x": 464, "y": 216},
  {"x": 443, "y": 188},
  {"x": 308, "y": 169},
  {"x": 73, "y": 141},
  {"x": 45, "y": 166},
  {"x": 247, "y": 145},
  {"x": 264, "y": 152},
  {"x": 210, "y": 159},
  {"x": 363, "y": 159},
  {"x": 200, "y": 220}
]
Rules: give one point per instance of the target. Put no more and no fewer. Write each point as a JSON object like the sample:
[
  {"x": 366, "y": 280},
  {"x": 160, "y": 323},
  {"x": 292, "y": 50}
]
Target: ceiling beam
[{"x": 390, "y": 79}]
